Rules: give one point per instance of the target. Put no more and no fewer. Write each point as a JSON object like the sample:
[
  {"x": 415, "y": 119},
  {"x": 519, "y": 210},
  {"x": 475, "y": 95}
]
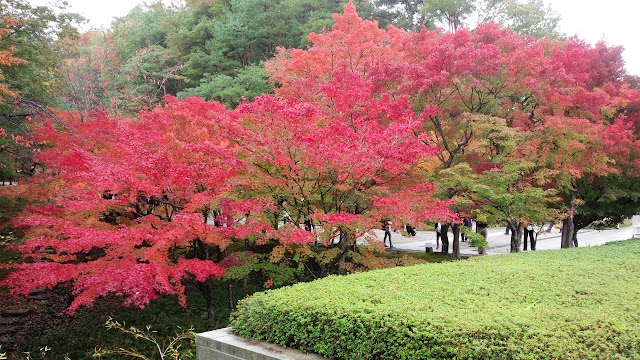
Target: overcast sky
[
  {"x": 612, "y": 20},
  {"x": 592, "y": 20}
]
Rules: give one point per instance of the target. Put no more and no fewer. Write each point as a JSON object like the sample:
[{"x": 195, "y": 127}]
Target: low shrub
[{"x": 566, "y": 304}]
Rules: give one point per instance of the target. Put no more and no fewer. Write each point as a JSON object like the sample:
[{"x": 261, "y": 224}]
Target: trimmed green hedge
[{"x": 566, "y": 304}]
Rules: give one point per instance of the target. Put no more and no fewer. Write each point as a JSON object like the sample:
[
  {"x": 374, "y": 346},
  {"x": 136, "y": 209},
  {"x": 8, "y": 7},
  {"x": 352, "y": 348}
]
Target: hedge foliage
[{"x": 566, "y": 304}]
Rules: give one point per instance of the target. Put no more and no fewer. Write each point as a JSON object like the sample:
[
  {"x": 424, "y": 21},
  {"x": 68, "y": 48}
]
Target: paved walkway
[{"x": 499, "y": 243}]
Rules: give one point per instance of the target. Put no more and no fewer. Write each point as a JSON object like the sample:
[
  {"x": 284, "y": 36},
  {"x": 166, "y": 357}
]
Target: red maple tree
[
  {"x": 454, "y": 80},
  {"x": 123, "y": 203}
]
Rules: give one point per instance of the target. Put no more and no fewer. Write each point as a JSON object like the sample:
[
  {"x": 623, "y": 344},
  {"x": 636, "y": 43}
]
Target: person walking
[
  {"x": 444, "y": 237},
  {"x": 466, "y": 222},
  {"x": 438, "y": 235},
  {"x": 387, "y": 233},
  {"x": 528, "y": 231}
]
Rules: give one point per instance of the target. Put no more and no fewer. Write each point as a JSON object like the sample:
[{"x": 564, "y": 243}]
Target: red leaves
[
  {"x": 291, "y": 235},
  {"x": 338, "y": 219},
  {"x": 355, "y": 148},
  {"x": 413, "y": 204},
  {"x": 575, "y": 146},
  {"x": 126, "y": 193},
  {"x": 139, "y": 283},
  {"x": 359, "y": 121},
  {"x": 202, "y": 270},
  {"x": 38, "y": 275}
]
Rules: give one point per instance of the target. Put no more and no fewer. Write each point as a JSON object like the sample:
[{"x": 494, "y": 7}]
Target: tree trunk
[
  {"x": 245, "y": 286},
  {"x": 456, "y": 241},
  {"x": 343, "y": 239},
  {"x": 445, "y": 238},
  {"x": 567, "y": 233},
  {"x": 568, "y": 228},
  {"x": 229, "y": 295},
  {"x": 485, "y": 234},
  {"x": 516, "y": 237},
  {"x": 205, "y": 289},
  {"x": 344, "y": 247}
]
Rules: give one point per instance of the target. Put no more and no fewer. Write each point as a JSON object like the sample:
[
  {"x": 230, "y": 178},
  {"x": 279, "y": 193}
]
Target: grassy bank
[{"x": 565, "y": 304}]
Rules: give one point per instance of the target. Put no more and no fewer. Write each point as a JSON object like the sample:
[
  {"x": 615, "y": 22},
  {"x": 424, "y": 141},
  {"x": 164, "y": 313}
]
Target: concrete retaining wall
[{"x": 223, "y": 345}]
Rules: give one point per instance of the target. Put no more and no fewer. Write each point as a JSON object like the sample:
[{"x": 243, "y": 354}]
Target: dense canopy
[{"x": 366, "y": 125}]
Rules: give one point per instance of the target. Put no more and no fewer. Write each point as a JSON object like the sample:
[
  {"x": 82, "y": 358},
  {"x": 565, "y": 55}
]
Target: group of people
[
  {"x": 411, "y": 231},
  {"x": 530, "y": 237},
  {"x": 529, "y": 241}
]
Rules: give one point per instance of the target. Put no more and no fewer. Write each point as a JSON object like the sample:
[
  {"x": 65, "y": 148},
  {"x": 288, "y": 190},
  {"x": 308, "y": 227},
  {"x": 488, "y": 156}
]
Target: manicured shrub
[{"x": 567, "y": 304}]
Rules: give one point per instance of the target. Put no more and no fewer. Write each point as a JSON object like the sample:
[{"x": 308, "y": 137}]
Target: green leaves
[
  {"x": 529, "y": 17},
  {"x": 246, "y": 84}
]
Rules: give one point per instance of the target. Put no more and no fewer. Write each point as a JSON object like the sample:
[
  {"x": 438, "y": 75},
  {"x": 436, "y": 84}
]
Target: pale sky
[
  {"x": 613, "y": 21},
  {"x": 592, "y": 20}
]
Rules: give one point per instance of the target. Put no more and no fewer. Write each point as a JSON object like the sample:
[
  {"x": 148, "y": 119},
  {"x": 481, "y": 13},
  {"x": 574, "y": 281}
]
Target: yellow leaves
[
  {"x": 609, "y": 111},
  {"x": 277, "y": 254},
  {"x": 4, "y": 90},
  {"x": 429, "y": 164}
]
